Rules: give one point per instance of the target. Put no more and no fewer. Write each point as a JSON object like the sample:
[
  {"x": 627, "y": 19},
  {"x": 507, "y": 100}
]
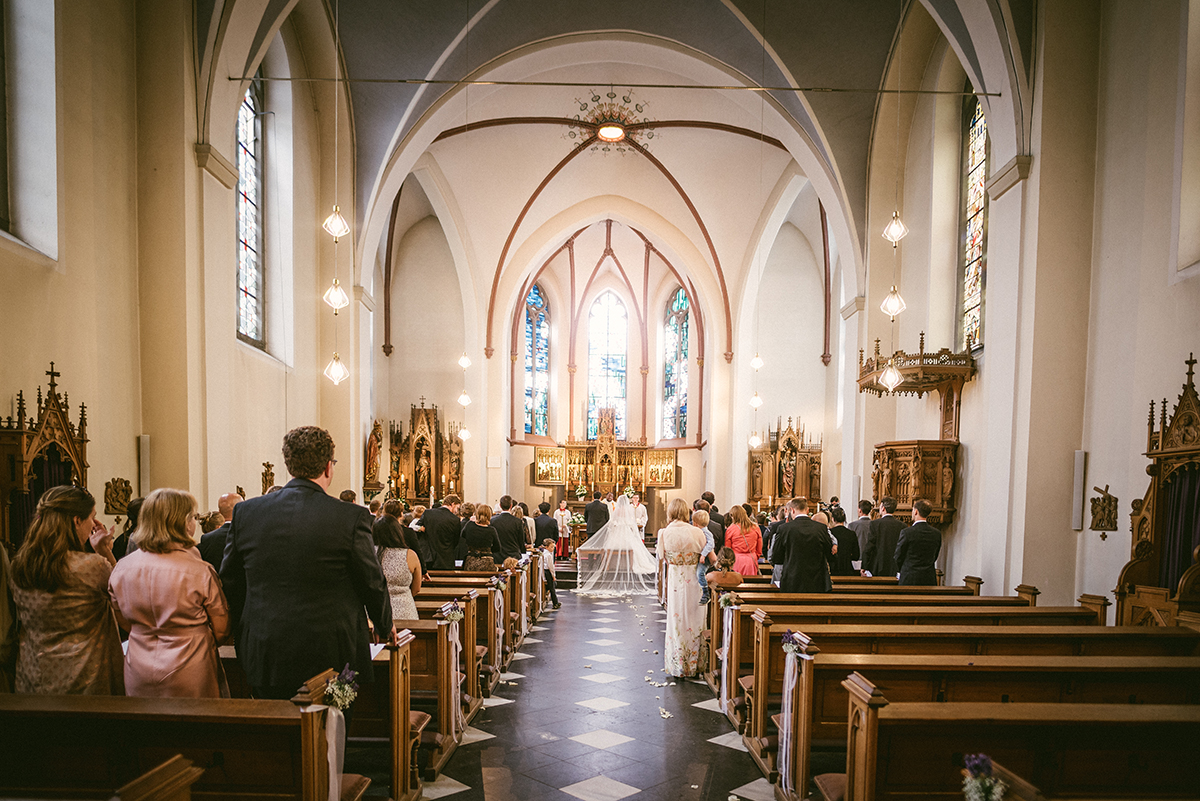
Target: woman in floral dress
[{"x": 680, "y": 544}]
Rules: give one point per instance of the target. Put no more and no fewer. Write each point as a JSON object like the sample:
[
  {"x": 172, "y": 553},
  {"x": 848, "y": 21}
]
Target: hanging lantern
[
  {"x": 756, "y": 362},
  {"x": 336, "y": 297},
  {"x": 893, "y": 304},
  {"x": 336, "y": 371},
  {"x": 464, "y": 400},
  {"x": 464, "y": 434},
  {"x": 755, "y": 439},
  {"x": 895, "y": 230},
  {"x": 335, "y": 224},
  {"x": 463, "y": 361},
  {"x": 891, "y": 377},
  {"x": 756, "y": 401}
]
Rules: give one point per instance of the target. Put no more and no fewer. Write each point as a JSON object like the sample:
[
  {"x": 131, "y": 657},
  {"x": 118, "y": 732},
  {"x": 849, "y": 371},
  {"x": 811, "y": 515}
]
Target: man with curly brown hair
[{"x": 299, "y": 568}]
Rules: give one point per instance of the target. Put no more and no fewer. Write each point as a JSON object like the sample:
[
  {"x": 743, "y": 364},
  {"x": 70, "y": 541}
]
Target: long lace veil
[{"x": 615, "y": 561}]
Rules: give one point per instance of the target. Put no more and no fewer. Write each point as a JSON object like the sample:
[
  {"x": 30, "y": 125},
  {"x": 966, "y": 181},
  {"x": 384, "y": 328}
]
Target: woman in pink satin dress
[
  {"x": 744, "y": 538},
  {"x": 171, "y": 602}
]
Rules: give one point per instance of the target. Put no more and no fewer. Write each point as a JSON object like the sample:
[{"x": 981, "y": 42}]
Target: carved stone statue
[
  {"x": 756, "y": 484},
  {"x": 374, "y": 448},
  {"x": 787, "y": 481},
  {"x": 422, "y": 475},
  {"x": 814, "y": 478},
  {"x": 947, "y": 483}
]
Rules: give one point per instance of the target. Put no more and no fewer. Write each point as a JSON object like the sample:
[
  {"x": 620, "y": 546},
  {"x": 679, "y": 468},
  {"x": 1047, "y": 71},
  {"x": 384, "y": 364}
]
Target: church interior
[{"x": 939, "y": 249}]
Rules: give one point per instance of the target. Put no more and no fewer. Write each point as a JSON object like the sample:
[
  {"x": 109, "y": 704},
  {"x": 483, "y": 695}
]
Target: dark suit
[
  {"x": 546, "y": 528},
  {"x": 512, "y": 535},
  {"x": 718, "y": 533},
  {"x": 862, "y": 529},
  {"x": 916, "y": 553},
  {"x": 212, "y": 546},
  {"x": 299, "y": 568},
  {"x": 442, "y": 530},
  {"x": 803, "y": 548},
  {"x": 595, "y": 514},
  {"x": 879, "y": 556},
  {"x": 847, "y": 552}
]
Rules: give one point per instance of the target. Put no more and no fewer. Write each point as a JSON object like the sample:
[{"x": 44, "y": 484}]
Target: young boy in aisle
[{"x": 547, "y": 556}]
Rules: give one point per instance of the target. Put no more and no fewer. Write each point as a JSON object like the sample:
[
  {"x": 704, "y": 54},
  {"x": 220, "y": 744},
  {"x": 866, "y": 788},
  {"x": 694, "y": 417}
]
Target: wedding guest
[
  {"x": 509, "y": 528},
  {"x": 548, "y": 570},
  {"x": 802, "y": 549},
  {"x": 121, "y": 544},
  {"x": 847, "y": 545},
  {"x": 746, "y": 541},
  {"x": 170, "y": 601},
  {"x": 700, "y": 520},
  {"x": 544, "y": 525},
  {"x": 401, "y": 567},
  {"x": 68, "y": 641},
  {"x": 862, "y": 526},
  {"x": 483, "y": 543},
  {"x": 879, "y": 555},
  {"x": 212, "y": 544},
  {"x": 723, "y": 575},
  {"x": 375, "y": 507},
  {"x": 442, "y": 530},
  {"x": 349, "y": 496},
  {"x": 679, "y": 544},
  {"x": 8, "y": 627},
  {"x": 918, "y": 548},
  {"x": 209, "y": 522}
]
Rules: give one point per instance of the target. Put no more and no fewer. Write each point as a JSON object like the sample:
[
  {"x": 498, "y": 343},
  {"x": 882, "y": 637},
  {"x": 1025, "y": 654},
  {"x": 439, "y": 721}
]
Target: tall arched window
[
  {"x": 608, "y": 334},
  {"x": 537, "y": 362},
  {"x": 973, "y": 274},
  {"x": 675, "y": 367},
  {"x": 250, "y": 326}
]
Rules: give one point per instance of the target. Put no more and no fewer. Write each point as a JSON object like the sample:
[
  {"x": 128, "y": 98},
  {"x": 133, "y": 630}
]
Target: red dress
[{"x": 747, "y": 545}]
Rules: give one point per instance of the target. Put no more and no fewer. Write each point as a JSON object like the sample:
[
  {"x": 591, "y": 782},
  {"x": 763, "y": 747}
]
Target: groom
[{"x": 595, "y": 514}]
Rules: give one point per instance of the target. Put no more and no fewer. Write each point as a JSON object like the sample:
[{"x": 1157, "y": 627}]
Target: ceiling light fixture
[
  {"x": 756, "y": 362},
  {"x": 607, "y": 122},
  {"x": 335, "y": 223},
  {"x": 336, "y": 297},
  {"x": 755, "y": 439},
  {"x": 336, "y": 371},
  {"x": 891, "y": 377},
  {"x": 893, "y": 304},
  {"x": 464, "y": 400},
  {"x": 756, "y": 401},
  {"x": 464, "y": 434},
  {"x": 463, "y": 361},
  {"x": 895, "y": 230}
]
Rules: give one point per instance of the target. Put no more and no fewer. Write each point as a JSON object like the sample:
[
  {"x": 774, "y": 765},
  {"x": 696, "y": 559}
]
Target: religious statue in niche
[
  {"x": 374, "y": 449},
  {"x": 268, "y": 477},
  {"x": 947, "y": 482},
  {"x": 1104, "y": 512},
  {"x": 422, "y": 473},
  {"x": 787, "y": 482},
  {"x": 117, "y": 494},
  {"x": 814, "y": 480},
  {"x": 757, "y": 479}
]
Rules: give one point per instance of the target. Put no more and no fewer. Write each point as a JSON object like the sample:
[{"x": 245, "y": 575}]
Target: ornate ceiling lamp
[
  {"x": 615, "y": 121},
  {"x": 336, "y": 371}
]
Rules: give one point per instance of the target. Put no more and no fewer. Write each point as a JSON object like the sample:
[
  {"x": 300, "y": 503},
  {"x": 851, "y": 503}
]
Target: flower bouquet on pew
[
  {"x": 792, "y": 643},
  {"x": 454, "y": 613},
  {"x": 342, "y": 689},
  {"x": 978, "y": 782},
  {"x": 728, "y": 599}
]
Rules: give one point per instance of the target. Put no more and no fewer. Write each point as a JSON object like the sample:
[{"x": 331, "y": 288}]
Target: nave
[{"x": 576, "y": 717}]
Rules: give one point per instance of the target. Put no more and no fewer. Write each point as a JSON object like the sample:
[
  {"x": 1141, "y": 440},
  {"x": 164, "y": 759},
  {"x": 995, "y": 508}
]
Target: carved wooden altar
[
  {"x": 604, "y": 464},
  {"x": 426, "y": 464},
  {"x": 919, "y": 468},
  {"x": 37, "y": 454},
  {"x": 1174, "y": 448},
  {"x": 786, "y": 465}
]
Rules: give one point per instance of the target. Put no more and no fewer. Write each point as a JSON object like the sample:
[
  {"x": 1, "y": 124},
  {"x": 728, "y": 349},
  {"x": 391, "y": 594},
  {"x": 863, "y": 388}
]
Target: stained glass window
[
  {"x": 249, "y": 218},
  {"x": 608, "y": 335},
  {"x": 974, "y": 227},
  {"x": 675, "y": 367},
  {"x": 537, "y": 362}
]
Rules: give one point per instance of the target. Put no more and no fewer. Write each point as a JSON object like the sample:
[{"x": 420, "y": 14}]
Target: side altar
[
  {"x": 785, "y": 465},
  {"x": 425, "y": 464}
]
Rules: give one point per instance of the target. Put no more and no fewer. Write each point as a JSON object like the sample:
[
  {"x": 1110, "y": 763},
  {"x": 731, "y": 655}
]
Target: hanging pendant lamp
[
  {"x": 336, "y": 224},
  {"x": 755, "y": 439},
  {"x": 891, "y": 377},
  {"x": 464, "y": 434},
  {"x": 895, "y": 230},
  {"x": 336, "y": 371},
  {"x": 893, "y": 304},
  {"x": 336, "y": 297}
]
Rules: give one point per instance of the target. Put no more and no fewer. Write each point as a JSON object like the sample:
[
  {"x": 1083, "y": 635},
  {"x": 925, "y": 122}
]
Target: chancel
[{"x": 558, "y": 348}]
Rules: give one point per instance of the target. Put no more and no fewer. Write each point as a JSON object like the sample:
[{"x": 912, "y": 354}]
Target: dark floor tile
[
  {"x": 602, "y": 761},
  {"x": 564, "y": 749},
  {"x": 560, "y": 774}
]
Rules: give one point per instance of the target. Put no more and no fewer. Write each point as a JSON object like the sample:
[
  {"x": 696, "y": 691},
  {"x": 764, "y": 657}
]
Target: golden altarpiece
[
  {"x": 1160, "y": 585},
  {"x": 604, "y": 464},
  {"x": 37, "y": 453},
  {"x": 787, "y": 464},
  {"x": 425, "y": 464},
  {"x": 911, "y": 469}
]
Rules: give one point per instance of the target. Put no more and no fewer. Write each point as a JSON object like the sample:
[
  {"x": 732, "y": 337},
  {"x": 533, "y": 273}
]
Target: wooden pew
[
  {"x": 433, "y": 686},
  {"x": 489, "y": 622},
  {"x": 736, "y": 652},
  {"x": 911, "y": 750},
  {"x": 472, "y": 654},
  {"x": 170, "y": 781},
  {"x": 70, "y": 745},
  {"x": 511, "y": 640},
  {"x": 815, "y": 709}
]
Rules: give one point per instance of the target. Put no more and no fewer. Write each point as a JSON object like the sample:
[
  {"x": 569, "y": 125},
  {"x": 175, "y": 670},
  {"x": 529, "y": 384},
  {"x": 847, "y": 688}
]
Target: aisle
[{"x": 579, "y": 720}]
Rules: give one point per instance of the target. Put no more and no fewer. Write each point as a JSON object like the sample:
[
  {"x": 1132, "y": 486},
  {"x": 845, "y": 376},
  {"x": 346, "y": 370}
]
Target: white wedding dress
[{"x": 614, "y": 561}]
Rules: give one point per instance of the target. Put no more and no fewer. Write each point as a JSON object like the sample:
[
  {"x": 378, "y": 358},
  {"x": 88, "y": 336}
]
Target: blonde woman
[
  {"x": 680, "y": 544},
  {"x": 171, "y": 602},
  {"x": 68, "y": 640}
]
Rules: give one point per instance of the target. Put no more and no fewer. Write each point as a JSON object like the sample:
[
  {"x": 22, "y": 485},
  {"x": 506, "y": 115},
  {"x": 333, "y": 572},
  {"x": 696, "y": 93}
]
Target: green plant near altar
[
  {"x": 580, "y": 492},
  {"x": 577, "y": 519}
]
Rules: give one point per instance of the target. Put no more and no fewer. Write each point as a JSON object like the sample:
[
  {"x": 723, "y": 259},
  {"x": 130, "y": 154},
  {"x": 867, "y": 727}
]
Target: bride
[{"x": 614, "y": 561}]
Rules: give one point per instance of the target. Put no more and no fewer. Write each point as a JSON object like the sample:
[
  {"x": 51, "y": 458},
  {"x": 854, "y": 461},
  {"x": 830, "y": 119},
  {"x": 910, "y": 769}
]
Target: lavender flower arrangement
[
  {"x": 454, "y": 613},
  {"x": 978, "y": 782},
  {"x": 729, "y": 599},
  {"x": 342, "y": 689},
  {"x": 792, "y": 643}
]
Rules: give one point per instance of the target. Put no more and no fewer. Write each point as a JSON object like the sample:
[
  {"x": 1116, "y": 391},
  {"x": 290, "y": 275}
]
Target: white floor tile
[
  {"x": 604, "y": 642},
  {"x": 602, "y": 678},
  {"x": 729, "y": 740},
  {"x": 605, "y": 619},
  {"x": 603, "y": 630},
  {"x": 443, "y": 787},
  {"x": 600, "y": 788},
  {"x": 602, "y": 704},
  {"x": 474, "y": 735},
  {"x": 601, "y": 738},
  {"x": 496, "y": 700},
  {"x": 757, "y": 790},
  {"x": 606, "y": 603},
  {"x": 604, "y": 658},
  {"x": 532, "y": 639},
  {"x": 712, "y": 705},
  {"x": 511, "y": 676},
  {"x": 522, "y": 656},
  {"x": 538, "y": 628}
]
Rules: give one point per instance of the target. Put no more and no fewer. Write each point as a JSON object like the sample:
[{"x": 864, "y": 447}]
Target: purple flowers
[
  {"x": 342, "y": 689},
  {"x": 979, "y": 766},
  {"x": 978, "y": 782}
]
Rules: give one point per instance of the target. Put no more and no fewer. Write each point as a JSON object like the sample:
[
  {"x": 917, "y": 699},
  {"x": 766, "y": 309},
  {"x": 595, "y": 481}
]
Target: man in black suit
[
  {"x": 879, "y": 557},
  {"x": 803, "y": 549},
  {"x": 715, "y": 528},
  {"x": 299, "y": 568},
  {"x": 862, "y": 526},
  {"x": 714, "y": 516},
  {"x": 595, "y": 514},
  {"x": 212, "y": 544},
  {"x": 545, "y": 526},
  {"x": 918, "y": 548},
  {"x": 510, "y": 530},
  {"x": 442, "y": 529}
]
